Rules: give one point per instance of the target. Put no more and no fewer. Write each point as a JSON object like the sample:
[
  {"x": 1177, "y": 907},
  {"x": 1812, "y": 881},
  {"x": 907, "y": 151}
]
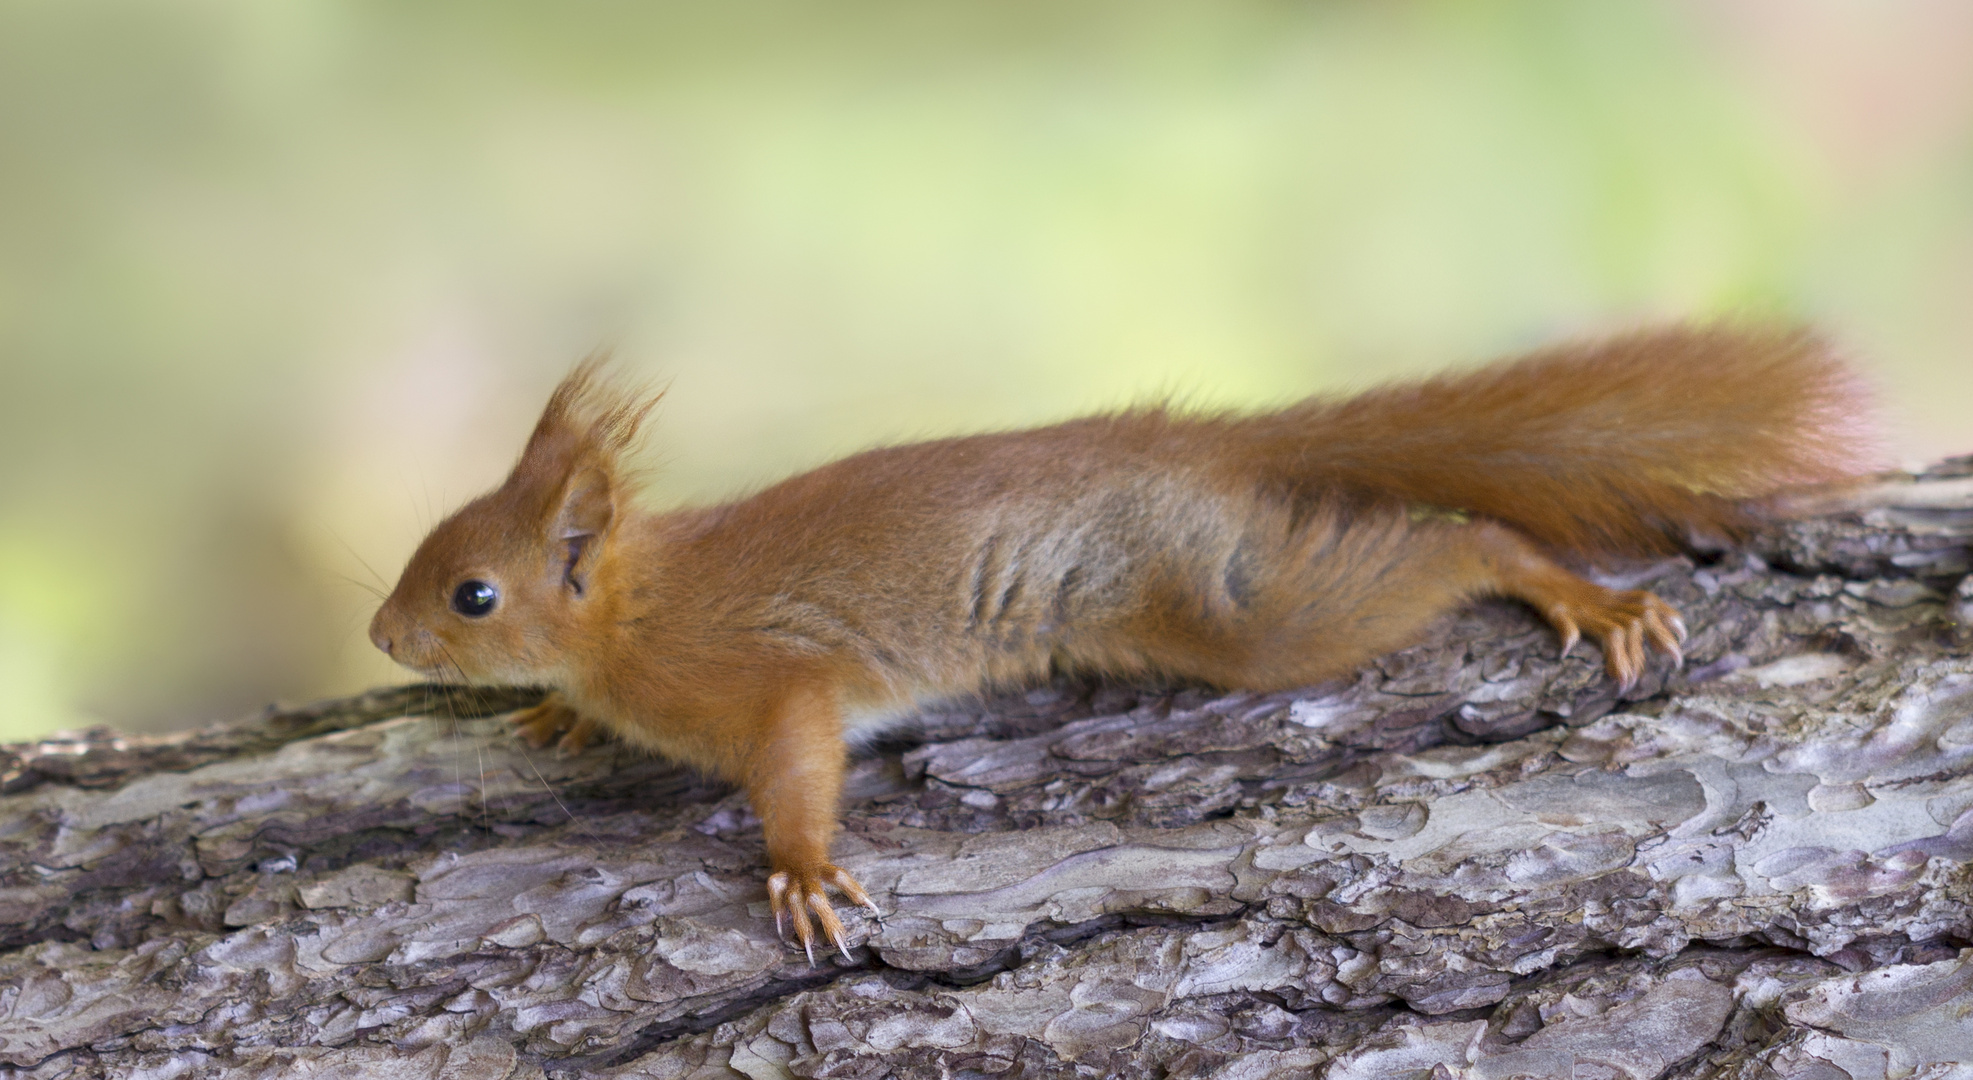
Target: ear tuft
[
  {"x": 573, "y": 467},
  {"x": 589, "y": 415}
]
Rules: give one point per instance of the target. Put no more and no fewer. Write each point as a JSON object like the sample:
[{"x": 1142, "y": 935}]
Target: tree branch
[{"x": 1474, "y": 856}]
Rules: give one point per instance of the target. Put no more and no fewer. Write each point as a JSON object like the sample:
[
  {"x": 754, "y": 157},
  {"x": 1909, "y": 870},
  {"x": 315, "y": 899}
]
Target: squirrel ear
[
  {"x": 569, "y": 472},
  {"x": 575, "y": 535}
]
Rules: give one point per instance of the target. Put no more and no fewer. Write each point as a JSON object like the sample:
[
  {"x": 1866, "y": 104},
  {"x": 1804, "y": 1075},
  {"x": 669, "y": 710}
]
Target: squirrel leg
[
  {"x": 1623, "y": 622},
  {"x": 554, "y": 723},
  {"x": 794, "y": 778}
]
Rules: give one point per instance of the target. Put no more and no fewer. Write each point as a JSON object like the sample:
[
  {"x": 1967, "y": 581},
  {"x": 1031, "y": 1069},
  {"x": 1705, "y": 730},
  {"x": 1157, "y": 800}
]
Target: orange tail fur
[{"x": 1628, "y": 445}]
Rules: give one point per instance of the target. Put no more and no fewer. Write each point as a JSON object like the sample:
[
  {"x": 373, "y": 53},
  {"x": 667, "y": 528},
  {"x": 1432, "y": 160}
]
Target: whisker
[
  {"x": 424, "y": 481},
  {"x": 459, "y": 771},
  {"x": 364, "y": 585},
  {"x": 458, "y": 766},
  {"x": 360, "y": 561},
  {"x": 480, "y": 705},
  {"x": 479, "y": 752},
  {"x": 550, "y": 789},
  {"x": 404, "y": 481}
]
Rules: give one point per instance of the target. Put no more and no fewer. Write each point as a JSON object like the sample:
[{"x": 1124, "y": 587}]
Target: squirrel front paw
[
  {"x": 553, "y": 723},
  {"x": 796, "y": 894}
]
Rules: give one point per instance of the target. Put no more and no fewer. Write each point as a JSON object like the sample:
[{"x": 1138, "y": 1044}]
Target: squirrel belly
[{"x": 1260, "y": 552}]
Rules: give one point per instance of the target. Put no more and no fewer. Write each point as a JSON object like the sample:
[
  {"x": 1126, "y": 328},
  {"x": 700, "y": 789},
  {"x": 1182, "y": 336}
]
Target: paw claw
[
  {"x": 1628, "y": 625},
  {"x": 578, "y": 737},
  {"x": 798, "y": 896},
  {"x": 851, "y": 890},
  {"x": 1616, "y": 659},
  {"x": 777, "y": 898},
  {"x": 1565, "y": 626},
  {"x": 552, "y": 723}
]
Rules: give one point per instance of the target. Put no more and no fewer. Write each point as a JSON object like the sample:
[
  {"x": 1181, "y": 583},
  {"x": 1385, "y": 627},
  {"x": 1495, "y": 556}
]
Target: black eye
[{"x": 474, "y": 598}]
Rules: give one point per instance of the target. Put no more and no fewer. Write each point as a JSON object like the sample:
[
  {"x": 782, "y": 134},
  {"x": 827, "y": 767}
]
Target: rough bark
[{"x": 1473, "y": 860}]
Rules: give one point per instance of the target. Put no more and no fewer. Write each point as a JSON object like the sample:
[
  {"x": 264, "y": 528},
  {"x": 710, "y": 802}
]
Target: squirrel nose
[{"x": 380, "y": 639}]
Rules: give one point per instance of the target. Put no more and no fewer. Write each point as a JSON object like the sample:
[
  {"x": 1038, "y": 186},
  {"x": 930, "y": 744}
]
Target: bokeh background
[{"x": 281, "y": 282}]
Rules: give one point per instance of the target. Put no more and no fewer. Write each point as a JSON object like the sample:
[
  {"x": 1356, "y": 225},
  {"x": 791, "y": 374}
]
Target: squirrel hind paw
[{"x": 1625, "y": 624}]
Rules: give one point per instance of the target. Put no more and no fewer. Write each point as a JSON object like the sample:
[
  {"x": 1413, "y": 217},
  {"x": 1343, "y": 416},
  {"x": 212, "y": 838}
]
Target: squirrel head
[{"x": 501, "y": 589}]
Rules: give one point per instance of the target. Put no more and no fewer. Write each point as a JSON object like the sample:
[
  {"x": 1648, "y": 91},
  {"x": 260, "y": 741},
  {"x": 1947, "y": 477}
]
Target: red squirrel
[{"x": 1259, "y": 552}]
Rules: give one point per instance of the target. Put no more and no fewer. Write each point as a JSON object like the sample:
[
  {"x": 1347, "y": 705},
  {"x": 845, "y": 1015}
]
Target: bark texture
[{"x": 1472, "y": 860}]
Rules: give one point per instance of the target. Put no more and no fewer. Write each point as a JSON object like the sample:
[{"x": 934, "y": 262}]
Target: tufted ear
[{"x": 572, "y": 470}]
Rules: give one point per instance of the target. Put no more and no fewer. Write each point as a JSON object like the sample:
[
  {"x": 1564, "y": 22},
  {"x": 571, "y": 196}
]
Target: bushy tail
[{"x": 1632, "y": 444}]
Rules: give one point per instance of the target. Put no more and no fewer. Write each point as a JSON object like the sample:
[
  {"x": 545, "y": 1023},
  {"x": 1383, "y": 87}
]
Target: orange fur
[{"x": 1263, "y": 552}]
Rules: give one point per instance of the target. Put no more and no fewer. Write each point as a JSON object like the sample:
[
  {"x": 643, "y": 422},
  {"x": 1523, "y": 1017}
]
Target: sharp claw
[
  {"x": 1665, "y": 635},
  {"x": 826, "y": 915},
  {"x": 1678, "y": 625},
  {"x": 1566, "y": 628},
  {"x": 777, "y": 898},
  {"x": 854, "y": 891},
  {"x": 797, "y": 898},
  {"x": 804, "y": 933}
]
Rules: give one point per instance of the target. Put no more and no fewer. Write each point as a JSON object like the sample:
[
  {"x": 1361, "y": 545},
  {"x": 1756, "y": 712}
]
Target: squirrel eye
[{"x": 474, "y": 598}]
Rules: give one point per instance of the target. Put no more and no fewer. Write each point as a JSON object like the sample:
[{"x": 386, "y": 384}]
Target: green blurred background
[{"x": 281, "y": 282}]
